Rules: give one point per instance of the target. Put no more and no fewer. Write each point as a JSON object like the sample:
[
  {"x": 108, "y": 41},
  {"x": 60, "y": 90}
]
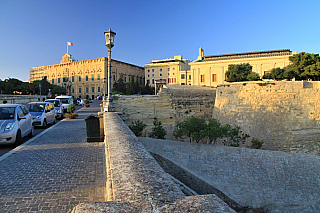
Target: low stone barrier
[
  {"x": 19, "y": 99},
  {"x": 137, "y": 183}
]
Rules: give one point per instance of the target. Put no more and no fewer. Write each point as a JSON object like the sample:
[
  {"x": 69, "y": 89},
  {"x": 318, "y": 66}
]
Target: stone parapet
[{"x": 136, "y": 182}]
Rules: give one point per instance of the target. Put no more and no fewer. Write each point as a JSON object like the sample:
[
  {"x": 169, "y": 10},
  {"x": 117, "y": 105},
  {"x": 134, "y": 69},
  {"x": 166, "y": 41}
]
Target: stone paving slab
[{"x": 54, "y": 171}]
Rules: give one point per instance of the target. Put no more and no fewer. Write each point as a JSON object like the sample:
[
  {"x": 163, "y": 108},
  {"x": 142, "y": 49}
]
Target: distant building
[
  {"x": 86, "y": 78},
  {"x": 167, "y": 71},
  {"x": 211, "y": 70}
]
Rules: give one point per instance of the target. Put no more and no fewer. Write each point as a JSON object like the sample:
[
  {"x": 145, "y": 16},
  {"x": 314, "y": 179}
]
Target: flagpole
[{"x": 67, "y": 47}]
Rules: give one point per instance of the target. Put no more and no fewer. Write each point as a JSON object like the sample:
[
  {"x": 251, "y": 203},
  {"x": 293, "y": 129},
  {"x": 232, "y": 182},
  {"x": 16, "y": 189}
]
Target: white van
[{"x": 65, "y": 101}]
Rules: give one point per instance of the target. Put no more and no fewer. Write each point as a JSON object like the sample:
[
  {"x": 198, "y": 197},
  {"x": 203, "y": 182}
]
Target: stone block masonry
[
  {"x": 174, "y": 103},
  {"x": 286, "y": 115}
]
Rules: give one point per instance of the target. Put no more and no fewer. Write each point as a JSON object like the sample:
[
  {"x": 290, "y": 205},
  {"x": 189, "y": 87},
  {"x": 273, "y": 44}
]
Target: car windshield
[
  {"x": 64, "y": 100},
  {"x": 55, "y": 102},
  {"x": 36, "y": 107},
  {"x": 7, "y": 113}
]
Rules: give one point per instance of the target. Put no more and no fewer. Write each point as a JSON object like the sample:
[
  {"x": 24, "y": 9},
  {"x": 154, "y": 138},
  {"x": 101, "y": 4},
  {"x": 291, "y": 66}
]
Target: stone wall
[
  {"x": 136, "y": 182},
  {"x": 19, "y": 99},
  {"x": 272, "y": 180},
  {"x": 286, "y": 115},
  {"x": 173, "y": 104}
]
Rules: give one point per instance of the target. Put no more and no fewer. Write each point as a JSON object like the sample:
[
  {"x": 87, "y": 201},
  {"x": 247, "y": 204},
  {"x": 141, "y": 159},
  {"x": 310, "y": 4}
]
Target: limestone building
[
  {"x": 86, "y": 78},
  {"x": 211, "y": 70},
  {"x": 166, "y": 71}
]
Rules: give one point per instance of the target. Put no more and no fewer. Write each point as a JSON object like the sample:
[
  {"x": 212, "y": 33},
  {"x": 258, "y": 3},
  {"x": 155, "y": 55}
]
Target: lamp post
[
  {"x": 40, "y": 90},
  {"x": 69, "y": 87},
  {"x": 109, "y": 35}
]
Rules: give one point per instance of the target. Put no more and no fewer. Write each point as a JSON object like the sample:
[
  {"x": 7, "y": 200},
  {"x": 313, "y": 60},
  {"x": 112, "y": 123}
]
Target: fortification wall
[
  {"x": 286, "y": 115},
  {"x": 173, "y": 104},
  {"x": 273, "y": 180}
]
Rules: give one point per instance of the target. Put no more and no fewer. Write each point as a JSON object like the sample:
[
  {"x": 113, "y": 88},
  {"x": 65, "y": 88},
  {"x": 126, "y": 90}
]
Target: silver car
[
  {"x": 58, "y": 106},
  {"x": 43, "y": 113},
  {"x": 15, "y": 123}
]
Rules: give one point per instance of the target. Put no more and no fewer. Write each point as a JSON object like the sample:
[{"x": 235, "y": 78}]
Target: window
[
  {"x": 160, "y": 69},
  {"x": 148, "y": 76},
  {"x": 189, "y": 77},
  {"x": 152, "y": 70},
  {"x": 92, "y": 89},
  {"x": 87, "y": 78},
  {"x": 72, "y": 78},
  {"x": 79, "y": 78},
  {"x": 114, "y": 78},
  {"x": 87, "y": 89},
  {"x": 92, "y": 77},
  {"x": 172, "y": 73},
  {"x": 79, "y": 90},
  {"x": 98, "y": 89},
  {"x": 152, "y": 81},
  {"x": 52, "y": 81},
  {"x": 214, "y": 77},
  {"x": 148, "y": 81},
  {"x": 202, "y": 78},
  {"x": 65, "y": 78},
  {"x": 173, "y": 68},
  {"x": 152, "y": 75},
  {"x": 125, "y": 79},
  {"x": 58, "y": 80},
  {"x": 173, "y": 80},
  {"x": 98, "y": 76},
  {"x": 160, "y": 74},
  {"x": 148, "y": 70},
  {"x": 72, "y": 90},
  {"x": 168, "y": 69},
  {"x": 183, "y": 76}
]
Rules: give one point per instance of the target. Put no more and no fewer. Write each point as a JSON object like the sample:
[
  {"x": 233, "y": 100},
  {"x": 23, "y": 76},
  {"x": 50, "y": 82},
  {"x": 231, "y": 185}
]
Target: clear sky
[{"x": 35, "y": 32}]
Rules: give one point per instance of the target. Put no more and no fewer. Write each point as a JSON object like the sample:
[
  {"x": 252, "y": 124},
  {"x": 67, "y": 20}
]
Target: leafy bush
[
  {"x": 86, "y": 101},
  {"x": 71, "y": 108},
  {"x": 158, "y": 131},
  {"x": 256, "y": 144},
  {"x": 137, "y": 127}
]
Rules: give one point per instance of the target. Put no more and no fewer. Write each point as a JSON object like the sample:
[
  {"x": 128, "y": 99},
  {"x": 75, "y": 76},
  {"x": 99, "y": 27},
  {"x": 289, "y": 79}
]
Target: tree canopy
[
  {"x": 305, "y": 66},
  {"x": 240, "y": 72}
]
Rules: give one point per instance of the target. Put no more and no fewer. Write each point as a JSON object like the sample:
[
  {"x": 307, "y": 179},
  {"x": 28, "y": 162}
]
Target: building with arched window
[{"x": 86, "y": 78}]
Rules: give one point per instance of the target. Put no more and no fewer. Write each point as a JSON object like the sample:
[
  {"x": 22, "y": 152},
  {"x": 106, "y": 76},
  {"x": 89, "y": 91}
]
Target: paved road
[
  {"x": 55, "y": 170},
  {"x": 4, "y": 148}
]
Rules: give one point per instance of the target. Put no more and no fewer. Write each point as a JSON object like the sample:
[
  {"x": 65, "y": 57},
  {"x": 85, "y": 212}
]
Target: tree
[
  {"x": 119, "y": 86},
  {"x": 137, "y": 127},
  {"x": 238, "y": 72},
  {"x": 157, "y": 130},
  {"x": 305, "y": 66},
  {"x": 253, "y": 76},
  {"x": 189, "y": 127},
  {"x": 275, "y": 74}
]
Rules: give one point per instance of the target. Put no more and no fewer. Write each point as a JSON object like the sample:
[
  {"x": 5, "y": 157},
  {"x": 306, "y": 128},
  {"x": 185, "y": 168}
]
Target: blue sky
[{"x": 35, "y": 32}]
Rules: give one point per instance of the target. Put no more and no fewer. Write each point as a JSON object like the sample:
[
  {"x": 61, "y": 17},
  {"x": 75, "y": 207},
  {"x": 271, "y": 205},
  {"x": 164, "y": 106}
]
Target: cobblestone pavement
[{"x": 54, "y": 171}]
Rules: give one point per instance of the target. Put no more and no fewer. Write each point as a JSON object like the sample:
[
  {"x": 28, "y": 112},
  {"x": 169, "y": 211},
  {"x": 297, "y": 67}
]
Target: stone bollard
[{"x": 93, "y": 129}]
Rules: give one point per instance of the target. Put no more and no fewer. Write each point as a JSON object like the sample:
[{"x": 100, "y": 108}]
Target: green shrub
[
  {"x": 158, "y": 131},
  {"x": 256, "y": 144},
  {"x": 137, "y": 127},
  {"x": 86, "y": 101},
  {"x": 71, "y": 108}
]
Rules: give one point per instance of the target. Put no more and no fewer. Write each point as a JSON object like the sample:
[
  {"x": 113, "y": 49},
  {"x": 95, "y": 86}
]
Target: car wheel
[
  {"x": 18, "y": 139},
  {"x": 44, "y": 125},
  {"x": 31, "y": 134}
]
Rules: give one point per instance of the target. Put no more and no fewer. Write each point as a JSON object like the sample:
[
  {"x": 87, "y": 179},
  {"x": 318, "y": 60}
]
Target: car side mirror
[{"x": 21, "y": 117}]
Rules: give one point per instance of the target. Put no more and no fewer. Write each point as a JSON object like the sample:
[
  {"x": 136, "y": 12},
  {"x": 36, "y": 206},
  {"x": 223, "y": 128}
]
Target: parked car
[
  {"x": 65, "y": 101},
  {"x": 15, "y": 123},
  {"x": 43, "y": 113},
  {"x": 58, "y": 106}
]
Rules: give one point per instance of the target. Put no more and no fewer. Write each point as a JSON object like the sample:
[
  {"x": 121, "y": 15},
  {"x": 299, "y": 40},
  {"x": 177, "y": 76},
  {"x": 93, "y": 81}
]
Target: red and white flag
[{"x": 70, "y": 44}]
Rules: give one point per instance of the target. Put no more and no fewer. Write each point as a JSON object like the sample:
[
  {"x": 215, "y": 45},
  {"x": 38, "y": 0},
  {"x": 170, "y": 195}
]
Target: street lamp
[
  {"x": 69, "y": 87},
  {"x": 40, "y": 90},
  {"x": 109, "y": 35}
]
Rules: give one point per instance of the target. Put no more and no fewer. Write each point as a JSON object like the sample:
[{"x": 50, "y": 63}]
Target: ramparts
[{"x": 286, "y": 115}]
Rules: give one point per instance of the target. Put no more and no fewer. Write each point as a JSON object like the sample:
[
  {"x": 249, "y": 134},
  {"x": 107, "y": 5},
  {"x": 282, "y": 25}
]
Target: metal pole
[{"x": 109, "y": 74}]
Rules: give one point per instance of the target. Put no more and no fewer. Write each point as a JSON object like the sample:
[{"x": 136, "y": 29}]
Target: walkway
[{"x": 54, "y": 171}]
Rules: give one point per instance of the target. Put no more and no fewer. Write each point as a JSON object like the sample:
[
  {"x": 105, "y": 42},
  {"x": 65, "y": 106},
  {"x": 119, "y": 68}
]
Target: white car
[
  {"x": 15, "y": 123},
  {"x": 43, "y": 113},
  {"x": 65, "y": 101},
  {"x": 58, "y": 106}
]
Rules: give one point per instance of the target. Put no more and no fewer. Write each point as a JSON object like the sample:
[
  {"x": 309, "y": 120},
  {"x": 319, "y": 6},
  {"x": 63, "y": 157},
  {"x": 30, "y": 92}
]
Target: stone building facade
[
  {"x": 211, "y": 70},
  {"x": 86, "y": 78},
  {"x": 167, "y": 71}
]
